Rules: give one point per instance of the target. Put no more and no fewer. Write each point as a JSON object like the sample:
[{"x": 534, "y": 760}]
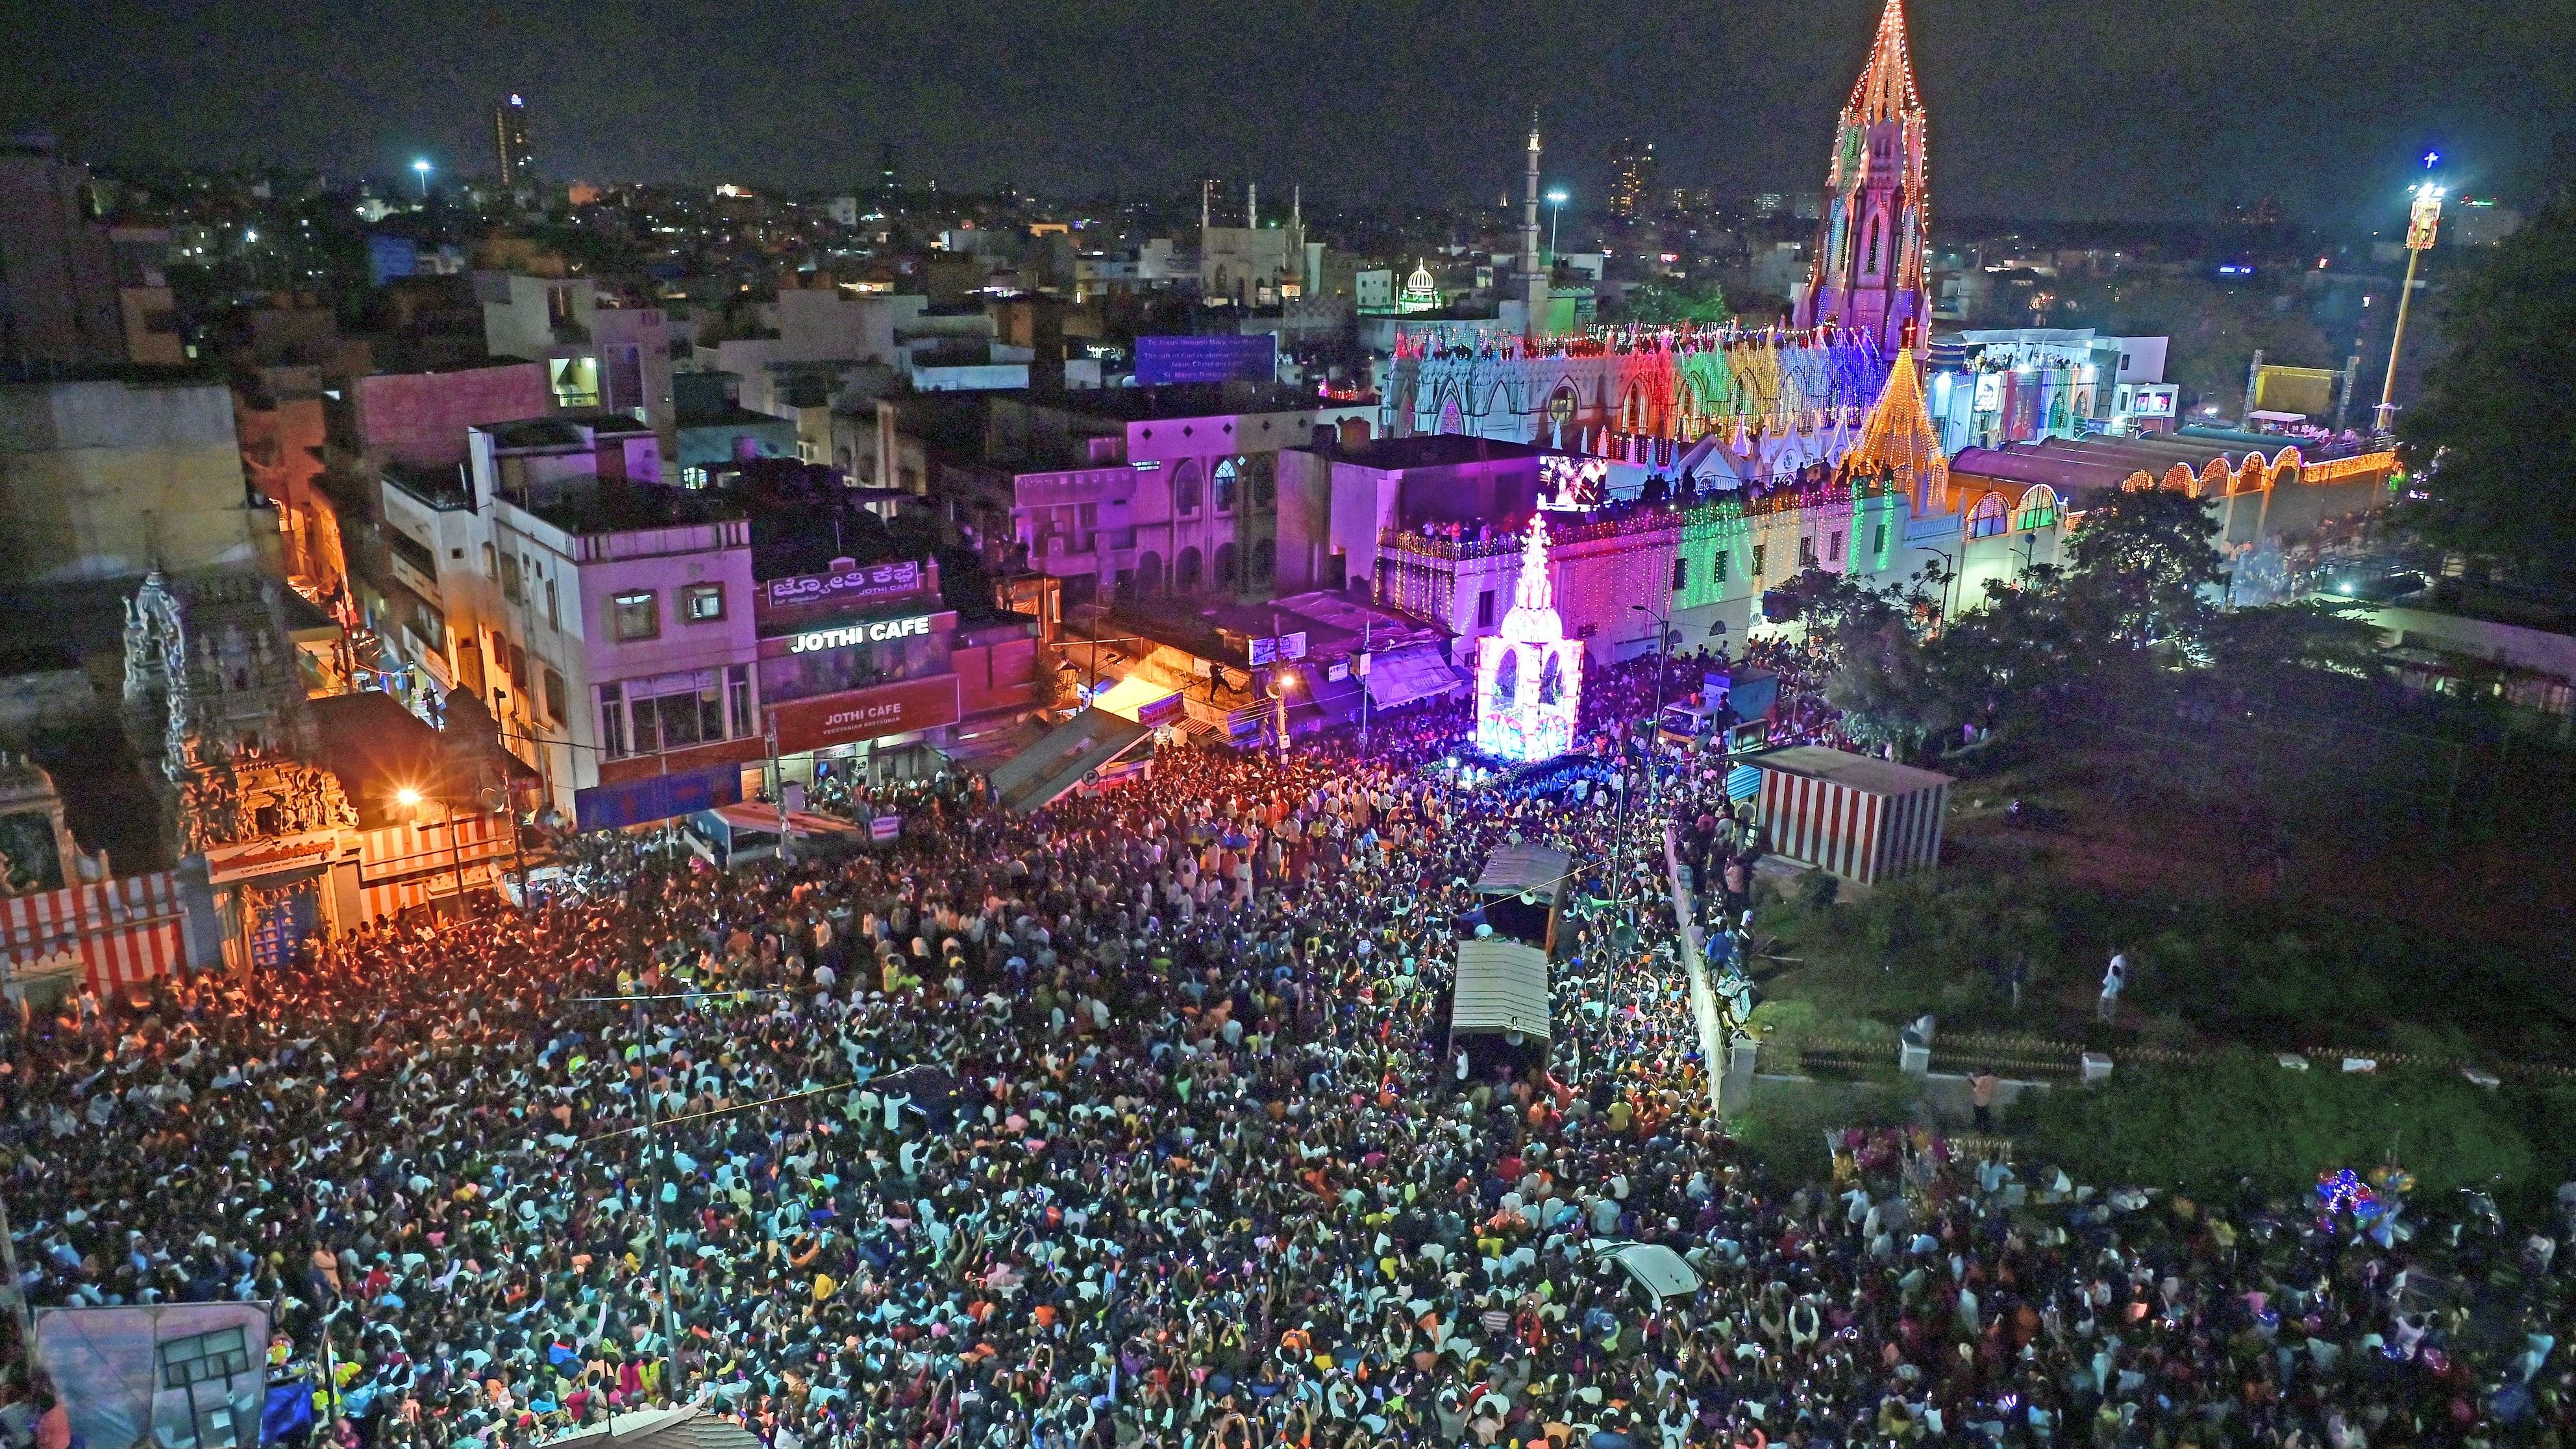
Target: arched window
[
  {"x": 1264, "y": 492},
  {"x": 1265, "y": 557},
  {"x": 1225, "y": 561},
  {"x": 1877, "y": 232},
  {"x": 1185, "y": 571},
  {"x": 1988, "y": 518},
  {"x": 1560, "y": 414},
  {"x": 1453, "y": 419},
  {"x": 2038, "y": 508},
  {"x": 1551, "y": 679},
  {"x": 1507, "y": 679},
  {"x": 1225, "y": 473},
  {"x": 1185, "y": 488},
  {"x": 1149, "y": 575}
]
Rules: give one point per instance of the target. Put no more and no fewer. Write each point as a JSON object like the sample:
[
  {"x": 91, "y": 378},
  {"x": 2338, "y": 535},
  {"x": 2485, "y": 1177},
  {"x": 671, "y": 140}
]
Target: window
[
  {"x": 1807, "y": 552},
  {"x": 518, "y": 665},
  {"x": 1185, "y": 489},
  {"x": 702, "y": 603},
  {"x": 1878, "y": 541},
  {"x": 1717, "y": 564},
  {"x": 491, "y": 562},
  {"x": 1225, "y": 486},
  {"x": 553, "y": 621},
  {"x": 635, "y": 614},
  {"x": 554, "y": 697},
  {"x": 1485, "y": 609},
  {"x": 1759, "y": 550},
  {"x": 1834, "y": 547},
  {"x": 738, "y": 694},
  {"x": 510, "y": 577},
  {"x": 1264, "y": 492},
  {"x": 612, "y": 722},
  {"x": 412, "y": 551},
  {"x": 683, "y": 719},
  {"x": 1681, "y": 571},
  {"x": 1988, "y": 518}
]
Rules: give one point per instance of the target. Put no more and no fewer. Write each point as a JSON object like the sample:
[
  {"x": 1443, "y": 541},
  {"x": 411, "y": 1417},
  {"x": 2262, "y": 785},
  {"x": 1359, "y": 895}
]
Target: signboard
[
  {"x": 1265, "y": 650},
  {"x": 1279, "y": 649},
  {"x": 1293, "y": 646},
  {"x": 875, "y": 631},
  {"x": 847, "y": 586},
  {"x": 657, "y": 797},
  {"x": 268, "y": 857},
  {"x": 1155, "y": 713},
  {"x": 867, "y": 714},
  {"x": 1214, "y": 357},
  {"x": 882, "y": 829},
  {"x": 1337, "y": 672}
]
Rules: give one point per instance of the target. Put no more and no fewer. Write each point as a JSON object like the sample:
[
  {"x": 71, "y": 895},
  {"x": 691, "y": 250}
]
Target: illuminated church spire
[
  {"x": 1533, "y": 618},
  {"x": 1869, "y": 274}
]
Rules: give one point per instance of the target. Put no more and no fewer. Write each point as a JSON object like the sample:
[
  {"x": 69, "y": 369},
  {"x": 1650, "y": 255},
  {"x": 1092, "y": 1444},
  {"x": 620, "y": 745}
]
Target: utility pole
[
  {"x": 653, "y": 1211},
  {"x": 778, "y": 780},
  {"x": 1367, "y": 631}
]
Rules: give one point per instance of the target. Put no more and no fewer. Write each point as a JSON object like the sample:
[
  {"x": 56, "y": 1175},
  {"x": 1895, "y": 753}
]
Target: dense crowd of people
[{"x": 1135, "y": 1123}]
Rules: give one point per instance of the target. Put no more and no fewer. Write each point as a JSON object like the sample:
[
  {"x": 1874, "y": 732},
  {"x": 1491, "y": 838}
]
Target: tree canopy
[{"x": 2498, "y": 420}]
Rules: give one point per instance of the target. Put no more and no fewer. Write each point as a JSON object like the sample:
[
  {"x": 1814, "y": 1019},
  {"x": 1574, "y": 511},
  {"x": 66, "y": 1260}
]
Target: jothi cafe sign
[
  {"x": 866, "y": 714},
  {"x": 875, "y": 631}
]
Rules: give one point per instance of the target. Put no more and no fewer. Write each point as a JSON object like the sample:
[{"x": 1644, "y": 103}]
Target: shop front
[{"x": 884, "y": 731}]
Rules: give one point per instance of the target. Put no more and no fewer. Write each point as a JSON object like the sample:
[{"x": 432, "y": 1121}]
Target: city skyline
[{"x": 2299, "y": 102}]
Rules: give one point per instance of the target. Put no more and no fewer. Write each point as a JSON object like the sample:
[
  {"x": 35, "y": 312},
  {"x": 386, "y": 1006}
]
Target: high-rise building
[
  {"x": 518, "y": 167},
  {"x": 1632, "y": 178},
  {"x": 887, "y": 181},
  {"x": 1870, "y": 271}
]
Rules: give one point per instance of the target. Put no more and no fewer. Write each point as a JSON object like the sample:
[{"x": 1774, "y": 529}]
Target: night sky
[{"x": 2040, "y": 108}]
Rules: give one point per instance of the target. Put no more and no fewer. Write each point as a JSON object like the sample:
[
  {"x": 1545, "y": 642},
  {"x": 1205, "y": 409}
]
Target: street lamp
[
  {"x": 2423, "y": 218},
  {"x": 1556, "y": 212},
  {"x": 420, "y": 168},
  {"x": 1949, "y": 576}
]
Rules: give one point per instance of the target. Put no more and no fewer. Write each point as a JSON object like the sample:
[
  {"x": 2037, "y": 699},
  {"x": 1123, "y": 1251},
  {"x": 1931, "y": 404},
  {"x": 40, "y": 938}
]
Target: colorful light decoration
[
  {"x": 1529, "y": 678},
  {"x": 2344, "y": 1191}
]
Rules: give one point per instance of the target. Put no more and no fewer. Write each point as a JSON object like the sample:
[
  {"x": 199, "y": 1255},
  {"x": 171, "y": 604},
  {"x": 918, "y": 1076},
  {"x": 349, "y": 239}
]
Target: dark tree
[{"x": 2499, "y": 422}]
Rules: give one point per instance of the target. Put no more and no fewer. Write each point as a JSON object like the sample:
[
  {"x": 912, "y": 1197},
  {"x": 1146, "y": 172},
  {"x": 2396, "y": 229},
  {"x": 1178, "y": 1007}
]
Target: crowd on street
[{"x": 1134, "y": 1123}]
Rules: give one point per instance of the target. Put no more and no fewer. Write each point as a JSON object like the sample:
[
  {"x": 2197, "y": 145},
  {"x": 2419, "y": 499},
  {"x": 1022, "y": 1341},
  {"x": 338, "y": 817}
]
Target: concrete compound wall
[{"x": 104, "y": 480}]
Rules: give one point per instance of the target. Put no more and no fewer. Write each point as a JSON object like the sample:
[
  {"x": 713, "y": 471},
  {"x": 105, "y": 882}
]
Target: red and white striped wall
[
  {"x": 1849, "y": 831},
  {"x": 123, "y": 931},
  {"x": 401, "y": 866}
]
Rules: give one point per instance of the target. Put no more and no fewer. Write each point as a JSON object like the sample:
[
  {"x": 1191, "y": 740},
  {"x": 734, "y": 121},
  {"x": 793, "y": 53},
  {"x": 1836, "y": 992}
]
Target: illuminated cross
[{"x": 2430, "y": 157}]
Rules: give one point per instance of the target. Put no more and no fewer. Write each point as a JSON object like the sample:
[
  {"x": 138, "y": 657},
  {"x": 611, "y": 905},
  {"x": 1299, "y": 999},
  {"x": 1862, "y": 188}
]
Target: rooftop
[
  {"x": 1430, "y": 450},
  {"x": 616, "y": 506},
  {"x": 1181, "y": 400},
  {"x": 564, "y": 430}
]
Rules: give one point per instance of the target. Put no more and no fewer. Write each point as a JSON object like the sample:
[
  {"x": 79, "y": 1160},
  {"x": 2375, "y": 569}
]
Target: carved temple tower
[{"x": 1870, "y": 273}]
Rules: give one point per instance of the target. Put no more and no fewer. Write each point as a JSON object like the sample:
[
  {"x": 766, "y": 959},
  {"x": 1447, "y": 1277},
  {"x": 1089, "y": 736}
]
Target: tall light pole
[
  {"x": 2423, "y": 218},
  {"x": 1556, "y": 212},
  {"x": 420, "y": 168}
]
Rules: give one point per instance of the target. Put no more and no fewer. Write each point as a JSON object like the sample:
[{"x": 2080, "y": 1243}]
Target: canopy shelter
[
  {"x": 734, "y": 834},
  {"x": 1498, "y": 1006},
  {"x": 690, "y": 1427},
  {"x": 1041, "y": 774},
  {"x": 1657, "y": 1269},
  {"x": 1523, "y": 886},
  {"x": 1415, "y": 672}
]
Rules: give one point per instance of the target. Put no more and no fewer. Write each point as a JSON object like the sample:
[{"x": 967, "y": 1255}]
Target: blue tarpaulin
[{"x": 288, "y": 1411}]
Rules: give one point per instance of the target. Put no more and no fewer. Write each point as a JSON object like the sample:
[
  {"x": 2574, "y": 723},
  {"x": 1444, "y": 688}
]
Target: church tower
[{"x": 1870, "y": 273}]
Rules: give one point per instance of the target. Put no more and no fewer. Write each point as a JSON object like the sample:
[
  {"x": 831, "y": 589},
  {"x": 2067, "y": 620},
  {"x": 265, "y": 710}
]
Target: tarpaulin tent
[
  {"x": 1398, "y": 677},
  {"x": 1658, "y": 1269},
  {"x": 176, "y": 1375},
  {"x": 1850, "y": 815}
]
